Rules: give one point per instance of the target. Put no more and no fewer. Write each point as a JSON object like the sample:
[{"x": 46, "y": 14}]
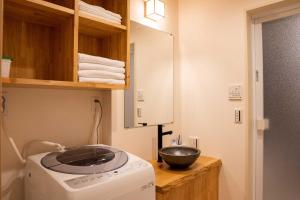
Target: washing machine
[{"x": 95, "y": 172}]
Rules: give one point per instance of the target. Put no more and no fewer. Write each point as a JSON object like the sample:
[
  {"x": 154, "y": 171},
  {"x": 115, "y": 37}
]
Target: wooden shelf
[
  {"x": 21, "y": 82},
  {"x": 43, "y": 6},
  {"x": 95, "y": 26},
  {"x": 37, "y": 11},
  {"x": 44, "y": 37}
]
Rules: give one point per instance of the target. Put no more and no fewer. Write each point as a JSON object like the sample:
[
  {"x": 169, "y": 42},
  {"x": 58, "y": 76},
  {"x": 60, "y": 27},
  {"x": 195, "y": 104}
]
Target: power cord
[
  {"x": 100, "y": 119},
  {"x": 95, "y": 135},
  {"x": 23, "y": 156},
  {"x": 13, "y": 144}
]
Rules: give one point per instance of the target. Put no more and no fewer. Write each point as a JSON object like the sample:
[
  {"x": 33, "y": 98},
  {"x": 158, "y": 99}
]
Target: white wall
[
  {"x": 213, "y": 55},
  {"x": 141, "y": 140},
  {"x": 62, "y": 116}
]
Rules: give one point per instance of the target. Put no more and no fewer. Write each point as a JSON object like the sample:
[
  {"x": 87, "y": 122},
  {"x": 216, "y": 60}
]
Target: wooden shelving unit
[
  {"x": 44, "y": 37},
  {"x": 92, "y": 25}
]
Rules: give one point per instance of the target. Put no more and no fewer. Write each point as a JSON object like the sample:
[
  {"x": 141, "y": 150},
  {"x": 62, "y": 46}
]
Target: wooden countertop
[{"x": 167, "y": 179}]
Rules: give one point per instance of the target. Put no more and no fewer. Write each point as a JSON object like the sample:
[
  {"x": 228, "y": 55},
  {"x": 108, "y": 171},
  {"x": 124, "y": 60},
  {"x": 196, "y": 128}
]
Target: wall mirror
[{"x": 149, "y": 100}]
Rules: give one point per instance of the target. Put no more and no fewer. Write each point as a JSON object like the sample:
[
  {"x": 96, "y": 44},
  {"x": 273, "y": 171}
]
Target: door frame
[
  {"x": 257, "y": 110},
  {"x": 256, "y": 116}
]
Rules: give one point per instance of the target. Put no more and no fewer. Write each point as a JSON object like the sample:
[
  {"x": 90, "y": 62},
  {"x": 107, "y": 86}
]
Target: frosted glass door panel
[{"x": 281, "y": 49}]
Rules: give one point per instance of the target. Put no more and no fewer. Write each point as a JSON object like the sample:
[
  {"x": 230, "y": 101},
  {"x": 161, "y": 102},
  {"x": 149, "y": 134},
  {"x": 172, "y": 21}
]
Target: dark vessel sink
[{"x": 179, "y": 157}]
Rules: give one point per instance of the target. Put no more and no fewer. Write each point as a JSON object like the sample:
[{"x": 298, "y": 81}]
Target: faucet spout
[{"x": 160, "y": 135}]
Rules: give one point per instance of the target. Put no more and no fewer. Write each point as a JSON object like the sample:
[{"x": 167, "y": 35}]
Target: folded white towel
[
  {"x": 101, "y": 80},
  {"x": 91, "y": 66},
  {"x": 84, "y": 4},
  {"x": 100, "y": 74},
  {"x": 85, "y": 58},
  {"x": 99, "y": 12},
  {"x": 101, "y": 15}
]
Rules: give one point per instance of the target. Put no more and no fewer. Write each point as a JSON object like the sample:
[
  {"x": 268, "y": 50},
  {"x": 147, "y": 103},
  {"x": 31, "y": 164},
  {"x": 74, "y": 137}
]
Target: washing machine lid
[{"x": 85, "y": 160}]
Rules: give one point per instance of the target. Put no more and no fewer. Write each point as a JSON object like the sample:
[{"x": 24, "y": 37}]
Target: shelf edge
[
  {"x": 92, "y": 18},
  {"x": 44, "y": 5},
  {"x": 34, "y": 83}
]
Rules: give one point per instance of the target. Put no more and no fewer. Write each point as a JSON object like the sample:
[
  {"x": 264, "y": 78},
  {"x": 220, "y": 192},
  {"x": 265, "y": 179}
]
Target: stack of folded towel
[
  {"x": 100, "y": 12},
  {"x": 100, "y": 70}
]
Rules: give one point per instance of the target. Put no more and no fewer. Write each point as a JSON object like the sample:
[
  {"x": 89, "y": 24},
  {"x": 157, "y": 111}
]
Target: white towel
[
  {"x": 91, "y": 66},
  {"x": 101, "y": 15},
  {"x": 101, "y": 80},
  {"x": 99, "y": 12},
  {"x": 84, "y": 58},
  {"x": 84, "y": 4},
  {"x": 100, "y": 74}
]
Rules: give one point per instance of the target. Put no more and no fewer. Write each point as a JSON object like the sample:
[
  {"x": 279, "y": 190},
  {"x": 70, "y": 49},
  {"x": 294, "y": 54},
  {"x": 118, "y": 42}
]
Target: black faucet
[{"x": 160, "y": 135}]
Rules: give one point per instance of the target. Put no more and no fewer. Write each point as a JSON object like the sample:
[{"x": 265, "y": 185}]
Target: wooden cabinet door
[{"x": 203, "y": 186}]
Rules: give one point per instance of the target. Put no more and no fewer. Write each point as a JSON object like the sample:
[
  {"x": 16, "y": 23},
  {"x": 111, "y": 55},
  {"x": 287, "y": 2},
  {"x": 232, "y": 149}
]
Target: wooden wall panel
[
  {"x": 65, "y": 3},
  {"x": 89, "y": 45},
  {"x": 39, "y": 51},
  {"x": 63, "y": 40},
  {"x": 31, "y": 48}
]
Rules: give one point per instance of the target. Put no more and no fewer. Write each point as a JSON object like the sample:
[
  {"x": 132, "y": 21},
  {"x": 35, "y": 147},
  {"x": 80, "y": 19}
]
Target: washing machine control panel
[{"x": 93, "y": 179}]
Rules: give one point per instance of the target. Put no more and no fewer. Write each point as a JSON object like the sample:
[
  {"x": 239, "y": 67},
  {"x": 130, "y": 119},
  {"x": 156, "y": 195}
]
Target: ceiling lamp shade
[{"x": 154, "y": 9}]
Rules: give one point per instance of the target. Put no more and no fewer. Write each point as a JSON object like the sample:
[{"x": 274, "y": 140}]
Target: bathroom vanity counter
[{"x": 198, "y": 182}]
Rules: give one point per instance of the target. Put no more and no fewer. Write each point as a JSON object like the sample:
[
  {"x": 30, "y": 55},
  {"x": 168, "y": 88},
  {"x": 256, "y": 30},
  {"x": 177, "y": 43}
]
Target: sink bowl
[{"x": 179, "y": 157}]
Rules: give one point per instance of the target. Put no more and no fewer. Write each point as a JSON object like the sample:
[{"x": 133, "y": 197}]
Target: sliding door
[{"x": 281, "y": 97}]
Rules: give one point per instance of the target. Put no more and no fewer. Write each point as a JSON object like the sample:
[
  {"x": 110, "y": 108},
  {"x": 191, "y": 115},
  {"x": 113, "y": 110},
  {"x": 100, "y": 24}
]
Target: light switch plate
[
  {"x": 235, "y": 92},
  {"x": 140, "y": 96}
]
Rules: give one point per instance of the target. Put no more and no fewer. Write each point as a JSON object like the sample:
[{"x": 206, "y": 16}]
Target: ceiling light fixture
[{"x": 154, "y": 9}]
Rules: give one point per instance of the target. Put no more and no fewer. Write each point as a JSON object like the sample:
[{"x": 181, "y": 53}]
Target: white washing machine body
[{"x": 133, "y": 181}]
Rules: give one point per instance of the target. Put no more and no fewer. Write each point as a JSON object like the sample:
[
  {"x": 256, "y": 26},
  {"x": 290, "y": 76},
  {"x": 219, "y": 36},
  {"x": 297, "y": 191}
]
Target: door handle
[{"x": 262, "y": 124}]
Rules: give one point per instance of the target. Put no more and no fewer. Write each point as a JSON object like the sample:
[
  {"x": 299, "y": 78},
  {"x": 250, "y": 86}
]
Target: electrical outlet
[
  {"x": 93, "y": 102},
  {"x": 140, "y": 96}
]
